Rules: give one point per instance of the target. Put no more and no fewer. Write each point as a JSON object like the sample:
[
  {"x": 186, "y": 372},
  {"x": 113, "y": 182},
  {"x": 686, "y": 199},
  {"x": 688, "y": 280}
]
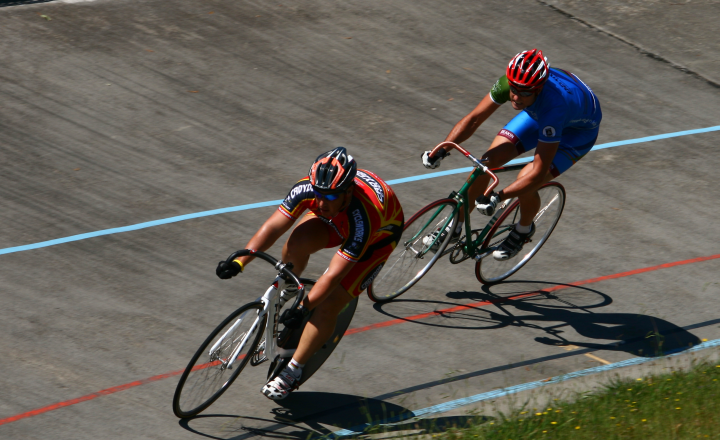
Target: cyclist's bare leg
[
  {"x": 322, "y": 324},
  {"x": 530, "y": 201},
  {"x": 501, "y": 151},
  {"x": 308, "y": 237}
]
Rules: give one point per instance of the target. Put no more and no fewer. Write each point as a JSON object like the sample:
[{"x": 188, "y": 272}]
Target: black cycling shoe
[{"x": 513, "y": 244}]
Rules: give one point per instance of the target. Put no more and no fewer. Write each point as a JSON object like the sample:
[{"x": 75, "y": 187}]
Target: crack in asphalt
[{"x": 635, "y": 46}]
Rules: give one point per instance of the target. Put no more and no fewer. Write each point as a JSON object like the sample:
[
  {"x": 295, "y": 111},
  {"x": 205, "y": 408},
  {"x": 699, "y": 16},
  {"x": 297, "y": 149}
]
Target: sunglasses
[
  {"x": 328, "y": 197},
  {"x": 521, "y": 93}
]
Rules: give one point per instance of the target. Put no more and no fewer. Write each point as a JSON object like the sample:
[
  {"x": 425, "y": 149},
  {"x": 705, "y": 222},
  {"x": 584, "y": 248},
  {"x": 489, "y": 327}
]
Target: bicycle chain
[{"x": 458, "y": 251}]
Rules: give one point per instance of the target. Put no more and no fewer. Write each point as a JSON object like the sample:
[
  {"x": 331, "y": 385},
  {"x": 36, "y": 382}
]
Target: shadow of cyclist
[
  {"x": 360, "y": 414},
  {"x": 307, "y": 415},
  {"x": 21, "y": 2},
  {"x": 634, "y": 333}
]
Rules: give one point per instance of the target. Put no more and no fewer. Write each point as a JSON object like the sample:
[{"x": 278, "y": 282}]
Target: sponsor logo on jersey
[
  {"x": 358, "y": 232},
  {"x": 367, "y": 281},
  {"x": 298, "y": 193},
  {"x": 300, "y": 189},
  {"x": 509, "y": 135},
  {"x": 374, "y": 184},
  {"x": 549, "y": 131},
  {"x": 559, "y": 82},
  {"x": 359, "y": 226},
  {"x": 496, "y": 90}
]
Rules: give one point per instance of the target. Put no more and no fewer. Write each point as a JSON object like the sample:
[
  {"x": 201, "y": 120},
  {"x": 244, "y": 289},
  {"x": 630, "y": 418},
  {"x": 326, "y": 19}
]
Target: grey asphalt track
[{"x": 117, "y": 112}]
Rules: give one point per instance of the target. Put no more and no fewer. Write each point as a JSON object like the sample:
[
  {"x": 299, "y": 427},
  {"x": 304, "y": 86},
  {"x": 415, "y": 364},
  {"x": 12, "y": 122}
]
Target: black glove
[
  {"x": 293, "y": 318},
  {"x": 226, "y": 270}
]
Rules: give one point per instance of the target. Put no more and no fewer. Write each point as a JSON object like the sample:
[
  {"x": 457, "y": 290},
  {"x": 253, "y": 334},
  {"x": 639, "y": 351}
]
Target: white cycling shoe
[
  {"x": 281, "y": 387},
  {"x": 513, "y": 244}
]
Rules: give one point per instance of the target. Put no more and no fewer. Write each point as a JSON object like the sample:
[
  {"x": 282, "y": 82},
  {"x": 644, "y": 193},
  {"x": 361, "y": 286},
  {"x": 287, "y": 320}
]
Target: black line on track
[
  {"x": 633, "y": 45},
  {"x": 4, "y": 3}
]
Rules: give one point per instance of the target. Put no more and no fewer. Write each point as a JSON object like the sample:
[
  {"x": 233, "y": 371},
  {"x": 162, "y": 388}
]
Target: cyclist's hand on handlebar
[
  {"x": 293, "y": 318},
  {"x": 226, "y": 270},
  {"x": 487, "y": 205},
  {"x": 433, "y": 162}
]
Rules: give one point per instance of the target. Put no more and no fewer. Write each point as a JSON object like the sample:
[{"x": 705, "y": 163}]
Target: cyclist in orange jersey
[{"x": 350, "y": 208}]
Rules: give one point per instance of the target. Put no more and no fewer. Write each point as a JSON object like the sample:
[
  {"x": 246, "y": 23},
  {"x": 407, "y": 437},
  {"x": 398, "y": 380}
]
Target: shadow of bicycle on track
[
  {"x": 550, "y": 308},
  {"x": 306, "y": 415},
  {"x": 4, "y": 3}
]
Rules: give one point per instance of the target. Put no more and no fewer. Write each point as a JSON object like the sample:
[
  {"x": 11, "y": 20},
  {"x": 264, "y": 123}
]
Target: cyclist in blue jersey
[{"x": 560, "y": 119}]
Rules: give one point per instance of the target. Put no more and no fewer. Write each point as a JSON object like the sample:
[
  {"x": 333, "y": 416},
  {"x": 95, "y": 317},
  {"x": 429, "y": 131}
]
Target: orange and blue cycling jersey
[{"x": 373, "y": 220}]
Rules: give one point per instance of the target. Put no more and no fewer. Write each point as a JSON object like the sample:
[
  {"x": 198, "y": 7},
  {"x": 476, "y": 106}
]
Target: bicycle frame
[
  {"x": 271, "y": 309},
  {"x": 471, "y": 246}
]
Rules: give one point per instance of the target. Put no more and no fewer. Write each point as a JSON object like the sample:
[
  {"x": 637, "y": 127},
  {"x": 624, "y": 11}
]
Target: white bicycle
[{"x": 238, "y": 340}]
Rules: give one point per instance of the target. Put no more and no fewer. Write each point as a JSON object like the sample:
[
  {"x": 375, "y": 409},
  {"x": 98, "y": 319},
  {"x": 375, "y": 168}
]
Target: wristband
[{"x": 242, "y": 266}]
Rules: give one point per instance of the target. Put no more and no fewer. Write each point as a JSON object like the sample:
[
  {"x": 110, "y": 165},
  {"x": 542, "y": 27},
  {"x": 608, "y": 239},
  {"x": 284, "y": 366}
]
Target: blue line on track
[
  {"x": 135, "y": 227},
  {"x": 180, "y": 218},
  {"x": 447, "y": 406}
]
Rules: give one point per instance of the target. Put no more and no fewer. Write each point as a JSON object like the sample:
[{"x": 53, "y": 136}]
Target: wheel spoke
[
  {"x": 211, "y": 370},
  {"x": 552, "y": 198},
  {"x": 407, "y": 264}
]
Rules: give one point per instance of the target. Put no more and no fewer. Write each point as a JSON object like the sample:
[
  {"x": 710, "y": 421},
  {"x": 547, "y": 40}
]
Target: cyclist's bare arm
[
  {"x": 338, "y": 269},
  {"x": 472, "y": 121},
  {"x": 268, "y": 234},
  {"x": 538, "y": 174}
]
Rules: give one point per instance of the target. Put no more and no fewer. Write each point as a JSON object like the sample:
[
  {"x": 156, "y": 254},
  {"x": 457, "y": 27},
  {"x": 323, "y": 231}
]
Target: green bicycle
[{"x": 422, "y": 245}]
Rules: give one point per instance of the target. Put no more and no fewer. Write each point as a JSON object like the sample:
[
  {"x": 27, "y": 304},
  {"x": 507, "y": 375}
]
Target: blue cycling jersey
[{"x": 564, "y": 102}]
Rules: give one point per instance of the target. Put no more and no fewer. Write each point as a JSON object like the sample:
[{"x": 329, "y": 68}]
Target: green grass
[{"x": 681, "y": 405}]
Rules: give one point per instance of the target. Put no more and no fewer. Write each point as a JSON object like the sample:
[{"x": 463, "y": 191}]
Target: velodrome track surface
[{"x": 115, "y": 113}]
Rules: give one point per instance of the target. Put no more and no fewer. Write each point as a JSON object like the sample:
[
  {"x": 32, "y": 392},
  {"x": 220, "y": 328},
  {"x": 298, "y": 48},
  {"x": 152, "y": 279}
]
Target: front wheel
[
  {"x": 209, "y": 372},
  {"x": 552, "y": 201},
  {"x": 419, "y": 248}
]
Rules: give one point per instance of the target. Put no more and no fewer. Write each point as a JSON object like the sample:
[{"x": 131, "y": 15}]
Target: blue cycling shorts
[{"x": 523, "y": 131}]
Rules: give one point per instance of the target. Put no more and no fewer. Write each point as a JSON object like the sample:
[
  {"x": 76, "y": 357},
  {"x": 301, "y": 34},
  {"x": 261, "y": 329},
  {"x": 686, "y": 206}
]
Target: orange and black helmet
[
  {"x": 333, "y": 171},
  {"x": 528, "y": 70}
]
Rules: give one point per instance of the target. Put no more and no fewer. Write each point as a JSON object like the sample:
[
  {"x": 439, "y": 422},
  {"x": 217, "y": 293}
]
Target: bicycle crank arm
[{"x": 479, "y": 257}]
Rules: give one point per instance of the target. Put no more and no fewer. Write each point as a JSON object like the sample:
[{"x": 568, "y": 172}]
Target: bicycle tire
[
  {"x": 210, "y": 368},
  {"x": 398, "y": 275},
  {"x": 552, "y": 201}
]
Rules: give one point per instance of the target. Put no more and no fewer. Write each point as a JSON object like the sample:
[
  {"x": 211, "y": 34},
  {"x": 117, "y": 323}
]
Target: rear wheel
[
  {"x": 419, "y": 248},
  {"x": 209, "y": 374},
  {"x": 552, "y": 201},
  {"x": 319, "y": 357}
]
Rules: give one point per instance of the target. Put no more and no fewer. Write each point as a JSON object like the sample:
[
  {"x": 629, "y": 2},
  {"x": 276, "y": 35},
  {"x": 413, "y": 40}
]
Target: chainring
[{"x": 458, "y": 254}]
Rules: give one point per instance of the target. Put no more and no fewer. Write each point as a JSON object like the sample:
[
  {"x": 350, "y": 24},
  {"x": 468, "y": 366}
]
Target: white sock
[
  {"x": 523, "y": 229},
  {"x": 295, "y": 367}
]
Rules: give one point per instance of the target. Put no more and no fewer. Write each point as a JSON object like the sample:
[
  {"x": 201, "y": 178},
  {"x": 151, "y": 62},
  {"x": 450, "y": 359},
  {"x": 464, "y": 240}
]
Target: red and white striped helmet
[{"x": 528, "y": 69}]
